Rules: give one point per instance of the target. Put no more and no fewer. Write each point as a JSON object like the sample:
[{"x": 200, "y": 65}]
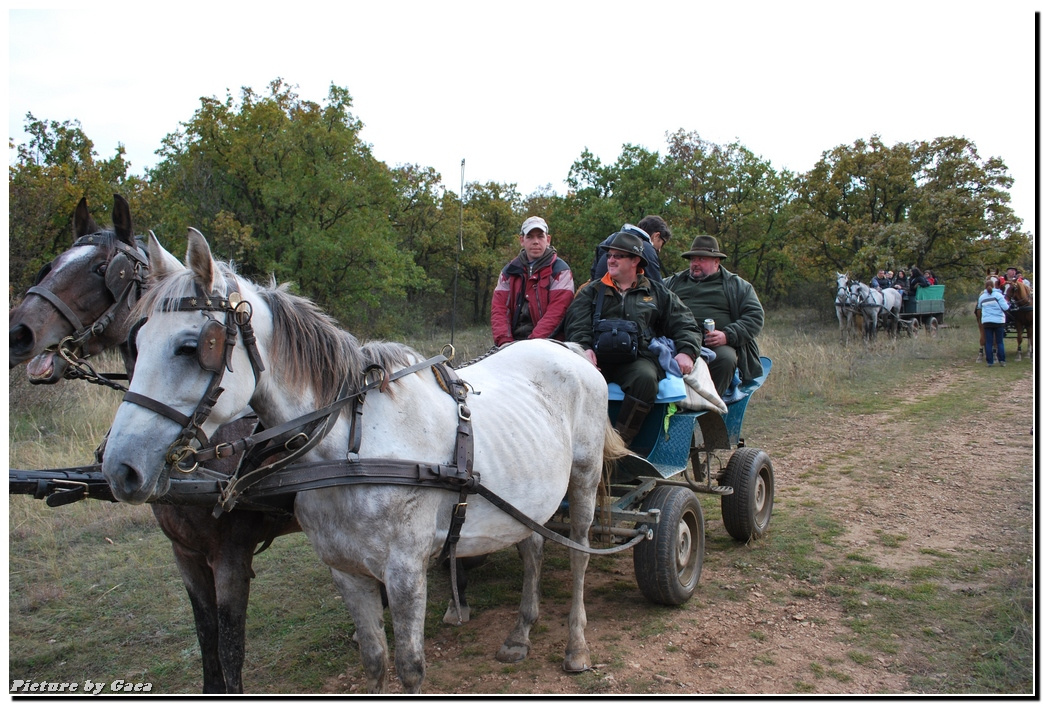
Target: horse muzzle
[{"x": 130, "y": 485}]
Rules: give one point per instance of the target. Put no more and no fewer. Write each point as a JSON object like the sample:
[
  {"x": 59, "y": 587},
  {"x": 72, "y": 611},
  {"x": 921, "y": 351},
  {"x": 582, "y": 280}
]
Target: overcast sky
[{"x": 520, "y": 89}]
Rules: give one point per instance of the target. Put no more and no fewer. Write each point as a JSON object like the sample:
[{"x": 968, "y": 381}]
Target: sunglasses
[{"x": 620, "y": 255}]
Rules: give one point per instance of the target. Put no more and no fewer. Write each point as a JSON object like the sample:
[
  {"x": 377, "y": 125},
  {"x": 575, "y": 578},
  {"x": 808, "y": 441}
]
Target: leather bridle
[
  {"x": 214, "y": 349},
  {"x": 125, "y": 276}
]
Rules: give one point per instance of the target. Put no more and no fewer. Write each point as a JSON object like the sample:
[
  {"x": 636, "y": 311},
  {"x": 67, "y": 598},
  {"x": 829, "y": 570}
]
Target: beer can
[{"x": 709, "y": 325}]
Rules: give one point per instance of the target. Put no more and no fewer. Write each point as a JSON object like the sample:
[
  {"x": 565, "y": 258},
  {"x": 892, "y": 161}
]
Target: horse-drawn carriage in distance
[{"x": 888, "y": 309}]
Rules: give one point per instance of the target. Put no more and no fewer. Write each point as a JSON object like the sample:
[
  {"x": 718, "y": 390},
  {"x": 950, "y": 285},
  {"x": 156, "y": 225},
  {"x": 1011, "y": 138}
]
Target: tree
[
  {"x": 52, "y": 172},
  {"x": 730, "y": 193},
  {"x": 286, "y": 186},
  {"x": 935, "y": 204},
  {"x": 963, "y": 223},
  {"x": 491, "y": 227}
]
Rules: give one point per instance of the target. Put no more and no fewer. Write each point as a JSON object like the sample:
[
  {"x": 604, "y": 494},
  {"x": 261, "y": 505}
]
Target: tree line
[{"x": 285, "y": 187}]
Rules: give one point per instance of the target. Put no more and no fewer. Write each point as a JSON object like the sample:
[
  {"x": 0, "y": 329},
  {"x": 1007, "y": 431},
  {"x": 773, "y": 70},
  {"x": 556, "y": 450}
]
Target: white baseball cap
[{"x": 532, "y": 223}]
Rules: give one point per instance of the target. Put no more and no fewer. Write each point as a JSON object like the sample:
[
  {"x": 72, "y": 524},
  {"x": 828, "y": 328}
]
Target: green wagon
[{"x": 924, "y": 310}]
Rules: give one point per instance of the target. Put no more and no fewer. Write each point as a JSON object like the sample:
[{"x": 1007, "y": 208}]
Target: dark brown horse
[
  {"x": 76, "y": 296},
  {"x": 80, "y": 301},
  {"x": 1020, "y": 297}
]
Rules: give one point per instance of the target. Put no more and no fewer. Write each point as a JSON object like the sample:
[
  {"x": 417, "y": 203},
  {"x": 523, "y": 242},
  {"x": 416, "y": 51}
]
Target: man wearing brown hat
[
  {"x": 713, "y": 292},
  {"x": 631, "y": 307}
]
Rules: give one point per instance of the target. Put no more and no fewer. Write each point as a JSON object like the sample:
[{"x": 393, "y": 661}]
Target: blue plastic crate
[{"x": 670, "y": 454}]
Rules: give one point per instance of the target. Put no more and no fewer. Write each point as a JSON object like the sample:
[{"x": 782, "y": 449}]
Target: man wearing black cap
[
  {"x": 711, "y": 291},
  {"x": 626, "y": 295}
]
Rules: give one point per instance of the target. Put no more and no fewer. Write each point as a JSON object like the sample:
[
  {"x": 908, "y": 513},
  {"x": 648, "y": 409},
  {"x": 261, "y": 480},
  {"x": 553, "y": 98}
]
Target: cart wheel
[
  {"x": 914, "y": 327},
  {"x": 668, "y": 566},
  {"x": 747, "y": 511},
  {"x": 932, "y": 326}
]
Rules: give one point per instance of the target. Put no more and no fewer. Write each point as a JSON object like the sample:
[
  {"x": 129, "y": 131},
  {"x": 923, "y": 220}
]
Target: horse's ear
[
  {"x": 200, "y": 260},
  {"x": 121, "y": 221},
  {"x": 82, "y": 222},
  {"x": 161, "y": 262}
]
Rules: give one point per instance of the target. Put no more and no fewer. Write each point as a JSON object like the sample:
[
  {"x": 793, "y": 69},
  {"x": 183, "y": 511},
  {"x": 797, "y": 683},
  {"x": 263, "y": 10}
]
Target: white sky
[{"x": 520, "y": 89}]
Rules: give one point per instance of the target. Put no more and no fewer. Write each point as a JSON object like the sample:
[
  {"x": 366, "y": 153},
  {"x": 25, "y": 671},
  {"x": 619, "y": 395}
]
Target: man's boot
[{"x": 632, "y": 413}]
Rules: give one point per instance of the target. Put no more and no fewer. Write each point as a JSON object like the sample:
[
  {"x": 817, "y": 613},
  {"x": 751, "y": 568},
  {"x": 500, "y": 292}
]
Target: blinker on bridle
[
  {"x": 124, "y": 277},
  {"x": 214, "y": 354}
]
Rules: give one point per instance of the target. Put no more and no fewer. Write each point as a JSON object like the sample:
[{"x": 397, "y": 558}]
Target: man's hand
[
  {"x": 686, "y": 363},
  {"x": 715, "y": 339},
  {"x": 591, "y": 357}
]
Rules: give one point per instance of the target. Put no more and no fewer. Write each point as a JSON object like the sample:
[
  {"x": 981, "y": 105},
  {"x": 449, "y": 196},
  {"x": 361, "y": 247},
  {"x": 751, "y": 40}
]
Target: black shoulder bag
[{"x": 615, "y": 339}]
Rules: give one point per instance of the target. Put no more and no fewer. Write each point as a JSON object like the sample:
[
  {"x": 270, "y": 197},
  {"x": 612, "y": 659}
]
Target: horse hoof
[
  {"x": 450, "y": 618},
  {"x": 577, "y": 662},
  {"x": 513, "y": 652},
  {"x": 980, "y": 357}
]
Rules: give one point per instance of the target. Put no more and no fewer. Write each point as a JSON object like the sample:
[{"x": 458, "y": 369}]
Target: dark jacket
[
  {"x": 657, "y": 311},
  {"x": 548, "y": 290},
  {"x": 918, "y": 281},
  {"x": 745, "y": 310}
]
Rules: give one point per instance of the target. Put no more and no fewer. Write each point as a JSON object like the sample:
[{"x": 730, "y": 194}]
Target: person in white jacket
[{"x": 993, "y": 305}]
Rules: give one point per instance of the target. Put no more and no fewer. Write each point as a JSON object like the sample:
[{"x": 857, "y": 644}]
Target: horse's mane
[{"x": 307, "y": 345}]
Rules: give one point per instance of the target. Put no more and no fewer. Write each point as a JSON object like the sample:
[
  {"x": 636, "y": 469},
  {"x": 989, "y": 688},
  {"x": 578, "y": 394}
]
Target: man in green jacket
[
  {"x": 711, "y": 291},
  {"x": 626, "y": 294}
]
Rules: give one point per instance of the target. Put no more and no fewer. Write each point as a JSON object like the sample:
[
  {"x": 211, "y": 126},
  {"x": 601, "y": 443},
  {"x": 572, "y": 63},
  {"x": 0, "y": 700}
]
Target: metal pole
[{"x": 460, "y": 248}]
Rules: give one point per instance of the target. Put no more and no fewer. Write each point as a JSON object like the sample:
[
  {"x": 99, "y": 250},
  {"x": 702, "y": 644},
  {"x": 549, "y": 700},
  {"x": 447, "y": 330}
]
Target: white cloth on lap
[{"x": 702, "y": 394}]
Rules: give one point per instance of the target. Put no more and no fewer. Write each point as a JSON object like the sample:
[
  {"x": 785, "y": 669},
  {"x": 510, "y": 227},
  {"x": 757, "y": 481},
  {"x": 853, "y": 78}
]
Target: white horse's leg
[
  {"x": 407, "y": 599},
  {"x": 362, "y": 597},
  {"x": 582, "y": 499},
  {"x": 516, "y": 647}
]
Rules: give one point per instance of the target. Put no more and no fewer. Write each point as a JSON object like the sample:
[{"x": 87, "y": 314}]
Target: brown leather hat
[
  {"x": 705, "y": 246},
  {"x": 630, "y": 243}
]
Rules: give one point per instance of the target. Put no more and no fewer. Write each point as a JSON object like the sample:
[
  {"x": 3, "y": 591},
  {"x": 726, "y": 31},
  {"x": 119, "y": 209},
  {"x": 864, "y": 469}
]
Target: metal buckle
[{"x": 296, "y": 442}]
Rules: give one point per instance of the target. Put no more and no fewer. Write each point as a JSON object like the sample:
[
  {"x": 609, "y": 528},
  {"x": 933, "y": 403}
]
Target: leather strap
[{"x": 58, "y": 303}]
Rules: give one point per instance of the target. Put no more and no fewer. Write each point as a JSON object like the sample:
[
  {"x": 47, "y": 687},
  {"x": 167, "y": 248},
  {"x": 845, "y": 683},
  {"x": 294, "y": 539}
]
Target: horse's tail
[{"x": 613, "y": 450}]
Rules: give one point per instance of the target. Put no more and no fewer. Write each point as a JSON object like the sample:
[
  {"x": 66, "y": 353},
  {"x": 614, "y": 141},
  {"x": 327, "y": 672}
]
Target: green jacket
[
  {"x": 747, "y": 315},
  {"x": 657, "y": 311}
]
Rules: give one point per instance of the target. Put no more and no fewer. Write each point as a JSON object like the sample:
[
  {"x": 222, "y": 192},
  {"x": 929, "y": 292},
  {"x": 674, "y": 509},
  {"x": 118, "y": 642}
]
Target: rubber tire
[
  {"x": 932, "y": 326},
  {"x": 668, "y": 566},
  {"x": 747, "y": 510},
  {"x": 914, "y": 327}
]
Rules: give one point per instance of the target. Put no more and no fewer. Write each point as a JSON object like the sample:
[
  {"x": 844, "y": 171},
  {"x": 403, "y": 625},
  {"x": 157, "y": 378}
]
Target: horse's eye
[
  {"x": 101, "y": 268},
  {"x": 188, "y": 349}
]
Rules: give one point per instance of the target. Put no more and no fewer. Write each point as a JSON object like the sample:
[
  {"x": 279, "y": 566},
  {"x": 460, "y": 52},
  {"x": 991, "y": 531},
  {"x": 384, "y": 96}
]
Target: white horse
[
  {"x": 867, "y": 301},
  {"x": 845, "y": 305},
  {"x": 540, "y": 430},
  {"x": 891, "y": 308}
]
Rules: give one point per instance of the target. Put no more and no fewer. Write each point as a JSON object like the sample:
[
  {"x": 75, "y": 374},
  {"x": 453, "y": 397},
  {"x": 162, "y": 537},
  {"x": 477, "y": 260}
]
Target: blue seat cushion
[{"x": 671, "y": 390}]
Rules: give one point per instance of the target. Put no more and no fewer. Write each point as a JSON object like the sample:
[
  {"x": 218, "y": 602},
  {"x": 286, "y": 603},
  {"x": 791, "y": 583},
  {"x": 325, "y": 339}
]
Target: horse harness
[
  {"x": 267, "y": 466},
  {"x": 124, "y": 278}
]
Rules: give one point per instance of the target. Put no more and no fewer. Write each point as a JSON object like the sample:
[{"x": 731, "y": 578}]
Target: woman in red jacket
[{"x": 534, "y": 289}]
